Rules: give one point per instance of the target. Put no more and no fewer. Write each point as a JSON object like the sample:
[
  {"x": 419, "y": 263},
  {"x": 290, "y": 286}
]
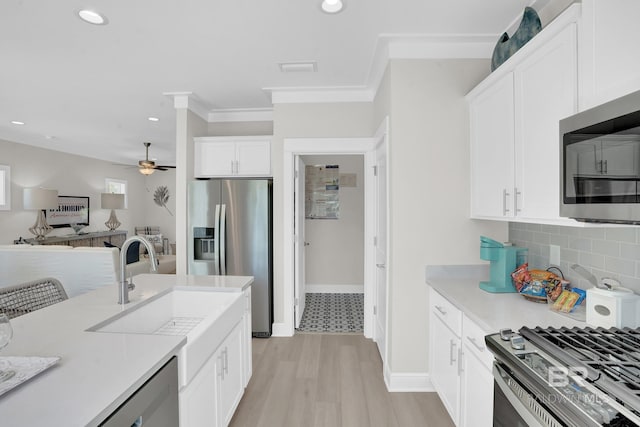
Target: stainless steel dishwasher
[{"x": 154, "y": 404}]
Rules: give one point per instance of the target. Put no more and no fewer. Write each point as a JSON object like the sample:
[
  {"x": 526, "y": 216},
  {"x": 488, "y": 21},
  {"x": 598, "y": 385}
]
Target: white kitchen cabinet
[
  {"x": 492, "y": 150},
  {"x": 514, "y": 116},
  {"x": 546, "y": 91},
  {"x": 232, "y": 156},
  {"x": 444, "y": 352},
  {"x": 230, "y": 375},
  {"x": 247, "y": 336},
  {"x": 212, "y": 396},
  {"x": 609, "y": 65},
  {"x": 476, "y": 383},
  {"x": 459, "y": 364}
]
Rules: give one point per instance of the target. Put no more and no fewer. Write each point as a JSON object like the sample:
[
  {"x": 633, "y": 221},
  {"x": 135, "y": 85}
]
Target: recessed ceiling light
[
  {"x": 332, "y": 6},
  {"x": 17, "y": 122},
  {"x": 92, "y": 17},
  {"x": 153, "y": 119}
]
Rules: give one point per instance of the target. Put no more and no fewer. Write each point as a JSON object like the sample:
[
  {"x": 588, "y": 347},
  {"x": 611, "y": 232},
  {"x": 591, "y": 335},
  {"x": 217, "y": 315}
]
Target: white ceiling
[{"x": 89, "y": 89}]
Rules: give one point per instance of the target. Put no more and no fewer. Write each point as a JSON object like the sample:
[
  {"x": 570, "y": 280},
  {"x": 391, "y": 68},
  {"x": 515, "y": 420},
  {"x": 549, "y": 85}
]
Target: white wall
[
  {"x": 74, "y": 175},
  {"x": 428, "y": 192},
  {"x": 335, "y": 255},
  {"x": 239, "y": 128}
]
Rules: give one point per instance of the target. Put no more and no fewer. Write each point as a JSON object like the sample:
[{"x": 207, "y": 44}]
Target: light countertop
[
  {"x": 491, "y": 312},
  {"x": 97, "y": 371}
]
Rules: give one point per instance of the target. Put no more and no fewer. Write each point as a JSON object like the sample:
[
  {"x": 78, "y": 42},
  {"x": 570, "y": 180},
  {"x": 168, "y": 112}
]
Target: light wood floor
[{"x": 328, "y": 380}]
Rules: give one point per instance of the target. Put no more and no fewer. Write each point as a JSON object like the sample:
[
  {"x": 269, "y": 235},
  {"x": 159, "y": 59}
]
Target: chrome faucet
[{"x": 123, "y": 286}]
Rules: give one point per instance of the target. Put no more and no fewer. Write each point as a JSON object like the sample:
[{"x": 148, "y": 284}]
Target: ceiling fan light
[{"x": 146, "y": 171}]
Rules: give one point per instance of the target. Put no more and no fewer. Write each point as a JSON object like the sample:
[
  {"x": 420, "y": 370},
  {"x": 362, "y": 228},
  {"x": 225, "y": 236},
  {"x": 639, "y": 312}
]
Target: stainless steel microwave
[{"x": 600, "y": 163}]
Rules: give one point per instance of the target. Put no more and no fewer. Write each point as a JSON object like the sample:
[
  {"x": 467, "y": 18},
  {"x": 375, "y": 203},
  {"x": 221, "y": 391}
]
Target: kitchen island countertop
[
  {"x": 97, "y": 371},
  {"x": 491, "y": 311}
]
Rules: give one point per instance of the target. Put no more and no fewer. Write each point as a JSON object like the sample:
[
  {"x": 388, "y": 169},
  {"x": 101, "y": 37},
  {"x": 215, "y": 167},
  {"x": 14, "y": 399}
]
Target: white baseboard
[
  {"x": 334, "y": 289},
  {"x": 281, "y": 330},
  {"x": 408, "y": 382}
]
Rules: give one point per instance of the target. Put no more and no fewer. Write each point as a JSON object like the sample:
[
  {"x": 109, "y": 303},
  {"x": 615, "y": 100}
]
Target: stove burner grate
[{"x": 611, "y": 357}]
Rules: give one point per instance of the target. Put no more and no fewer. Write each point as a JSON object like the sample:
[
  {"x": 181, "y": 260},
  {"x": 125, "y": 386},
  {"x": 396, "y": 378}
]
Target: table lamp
[
  {"x": 40, "y": 199},
  {"x": 112, "y": 201}
]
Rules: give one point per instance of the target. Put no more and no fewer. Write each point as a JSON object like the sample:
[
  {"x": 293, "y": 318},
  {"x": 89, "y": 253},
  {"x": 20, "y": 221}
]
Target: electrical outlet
[{"x": 554, "y": 254}]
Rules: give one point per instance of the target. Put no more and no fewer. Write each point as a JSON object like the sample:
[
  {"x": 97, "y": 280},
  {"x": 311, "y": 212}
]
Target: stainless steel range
[{"x": 566, "y": 377}]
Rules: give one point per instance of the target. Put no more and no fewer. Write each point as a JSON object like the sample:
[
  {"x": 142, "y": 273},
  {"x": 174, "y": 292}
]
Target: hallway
[{"x": 321, "y": 380}]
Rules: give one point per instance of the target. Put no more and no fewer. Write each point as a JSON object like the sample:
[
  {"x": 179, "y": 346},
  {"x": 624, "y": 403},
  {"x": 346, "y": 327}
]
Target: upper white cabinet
[
  {"x": 232, "y": 156},
  {"x": 492, "y": 150},
  {"x": 609, "y": 63},
  {"x": 546, "y": 90},
  {"x": 514, "y": 116}
]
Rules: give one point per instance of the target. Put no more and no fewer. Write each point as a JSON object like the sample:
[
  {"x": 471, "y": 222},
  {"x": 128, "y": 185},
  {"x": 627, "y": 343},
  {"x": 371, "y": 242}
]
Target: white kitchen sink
[{"x": 204, "y": 317}]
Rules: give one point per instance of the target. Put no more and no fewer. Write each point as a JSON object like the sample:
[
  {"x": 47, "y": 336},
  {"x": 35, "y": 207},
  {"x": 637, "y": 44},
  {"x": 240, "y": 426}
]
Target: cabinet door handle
[
  {"x": 515, "y": 200},
  {"x": 505, "y": 209},
  {"x": 475, "y": 344},
  {"x": 221, "y": 370},
  {"x": 460, "y": 355},
  {"x": 452, "y": 352},
  {"x": 226, "y": 360},
  {"x": 605, "y": 167},
  {"x": 441, "y": 310}
]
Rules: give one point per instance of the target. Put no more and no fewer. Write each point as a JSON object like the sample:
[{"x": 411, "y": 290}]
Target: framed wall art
[{"x": 71, "y": 210}]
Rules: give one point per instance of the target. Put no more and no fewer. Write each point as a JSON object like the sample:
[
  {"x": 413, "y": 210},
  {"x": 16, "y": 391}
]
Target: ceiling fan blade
[{"x": 165, "y": 167}]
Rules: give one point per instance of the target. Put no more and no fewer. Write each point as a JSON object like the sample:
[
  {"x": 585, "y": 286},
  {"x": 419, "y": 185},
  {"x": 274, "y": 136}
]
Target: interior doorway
[
  {"x": 293, "y": 150},
  {"x": 329, "y": 247}
]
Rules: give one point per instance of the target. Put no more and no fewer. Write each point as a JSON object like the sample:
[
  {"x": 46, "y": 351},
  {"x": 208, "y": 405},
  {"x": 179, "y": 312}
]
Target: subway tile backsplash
[{"x": 605, "y": 252}]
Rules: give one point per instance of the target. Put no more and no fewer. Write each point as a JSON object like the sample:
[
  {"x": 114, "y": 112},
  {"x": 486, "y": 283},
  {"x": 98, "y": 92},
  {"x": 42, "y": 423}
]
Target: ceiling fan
[{"x": 147, "y": 167}]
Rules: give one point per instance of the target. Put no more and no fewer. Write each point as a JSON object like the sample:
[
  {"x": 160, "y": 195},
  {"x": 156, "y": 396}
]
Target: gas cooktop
[{"x": 584, "y": 376}]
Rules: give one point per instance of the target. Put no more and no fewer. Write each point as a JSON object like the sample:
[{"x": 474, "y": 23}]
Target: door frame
[{"x": 327, "y": 146}]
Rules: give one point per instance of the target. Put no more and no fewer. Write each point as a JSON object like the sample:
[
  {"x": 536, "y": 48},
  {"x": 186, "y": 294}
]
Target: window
[
  {"x": 5, "y": 188},
  {"x": 117, "y": 186}
]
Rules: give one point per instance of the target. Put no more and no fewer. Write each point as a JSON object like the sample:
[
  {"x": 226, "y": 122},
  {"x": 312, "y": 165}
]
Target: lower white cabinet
[
  {"x": 444, "y": 350},
  {"x": 212, "y": 397},
  {"x": 476, "y": 379},
  {"x": 247, "y": 352},
  {"x": 459, "y": 364}
]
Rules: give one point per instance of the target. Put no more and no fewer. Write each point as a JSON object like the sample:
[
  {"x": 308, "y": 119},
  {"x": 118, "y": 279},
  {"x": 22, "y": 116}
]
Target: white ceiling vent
[{"x": 298, "y": 67}]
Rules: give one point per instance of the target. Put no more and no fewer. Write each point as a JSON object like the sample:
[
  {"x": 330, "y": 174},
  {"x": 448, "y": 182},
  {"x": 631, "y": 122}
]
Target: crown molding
[
  {"x": 302, "y": 95},
  {"x": 388, "y": 47},
  {"x": 241, "y": 115},
  {"x": 189, "y": 101},
  {"x": 426, "y": 46}
]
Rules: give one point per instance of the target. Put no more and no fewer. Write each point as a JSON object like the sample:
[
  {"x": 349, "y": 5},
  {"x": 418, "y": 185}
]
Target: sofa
[{"x": 79, "y": 269}]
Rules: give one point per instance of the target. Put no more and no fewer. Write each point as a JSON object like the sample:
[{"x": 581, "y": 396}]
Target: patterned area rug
[{"x": 333, "y": 313}]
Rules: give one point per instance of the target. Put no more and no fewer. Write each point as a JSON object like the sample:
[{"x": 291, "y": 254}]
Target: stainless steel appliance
[
  {"x": 230, "y": 233},
  {"x": 155, "y": 403},
  {"x": 600, "y": 163},
  {"x": 566, "y": 377}
]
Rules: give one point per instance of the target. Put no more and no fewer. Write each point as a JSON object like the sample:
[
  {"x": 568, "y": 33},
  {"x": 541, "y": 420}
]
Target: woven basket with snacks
[{"x": 541, "y": 286}]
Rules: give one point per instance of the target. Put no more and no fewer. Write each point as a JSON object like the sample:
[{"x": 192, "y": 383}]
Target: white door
[
  {"x": 380, "y": 299},
  {"x": 299, "y": 243}
]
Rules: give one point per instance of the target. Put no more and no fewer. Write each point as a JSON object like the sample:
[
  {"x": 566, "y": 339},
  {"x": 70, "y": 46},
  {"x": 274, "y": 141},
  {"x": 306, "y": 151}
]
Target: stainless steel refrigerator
[{"x": 230, "y": 233}]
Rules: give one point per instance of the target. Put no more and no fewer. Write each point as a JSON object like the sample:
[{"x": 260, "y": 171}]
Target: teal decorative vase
[{"x": 529, "y": 27}]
